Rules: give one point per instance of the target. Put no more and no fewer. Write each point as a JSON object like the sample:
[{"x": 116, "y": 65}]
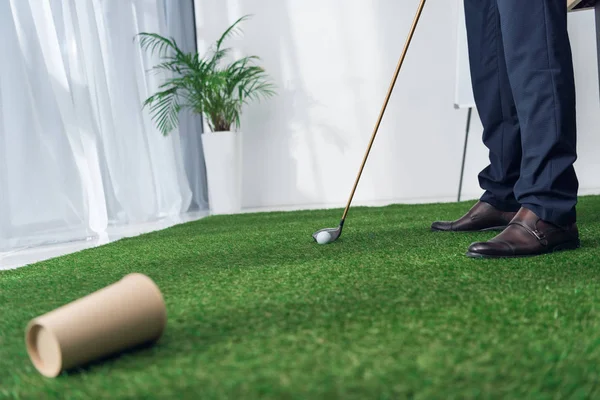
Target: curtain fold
[
  {"x": 181, "y": 25},
  {"x": 77, "y": 151}
]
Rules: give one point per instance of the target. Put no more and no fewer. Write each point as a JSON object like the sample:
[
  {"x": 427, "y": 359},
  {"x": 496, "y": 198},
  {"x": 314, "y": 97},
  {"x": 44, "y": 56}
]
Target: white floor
[{"x": 26, "y": 256}]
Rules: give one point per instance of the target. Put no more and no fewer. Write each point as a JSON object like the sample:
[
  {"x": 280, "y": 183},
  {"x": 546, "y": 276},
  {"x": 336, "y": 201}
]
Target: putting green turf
[{"x": 256, "y": 309}]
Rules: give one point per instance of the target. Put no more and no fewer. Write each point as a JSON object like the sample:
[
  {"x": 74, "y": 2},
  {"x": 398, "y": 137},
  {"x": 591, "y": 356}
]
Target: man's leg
[
  {"x": 495, "y": 104},
  {"x": 540, "y": 69},
  {"x": 501, "y": 134}
]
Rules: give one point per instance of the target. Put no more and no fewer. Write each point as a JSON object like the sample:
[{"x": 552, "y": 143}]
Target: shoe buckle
[{"x": 540, "y": 236}]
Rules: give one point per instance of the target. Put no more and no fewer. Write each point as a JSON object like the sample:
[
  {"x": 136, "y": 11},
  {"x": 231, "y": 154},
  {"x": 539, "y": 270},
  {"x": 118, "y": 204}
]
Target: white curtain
[{"x": 77, "y": 151}]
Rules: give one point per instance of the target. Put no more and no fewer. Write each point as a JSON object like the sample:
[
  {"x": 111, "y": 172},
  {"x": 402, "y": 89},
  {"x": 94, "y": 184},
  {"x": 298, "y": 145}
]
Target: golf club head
[{"x": 334, "y": 233}]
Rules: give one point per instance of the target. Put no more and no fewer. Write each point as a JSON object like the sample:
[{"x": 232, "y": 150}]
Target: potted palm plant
[{"x": 216, "y": 90}]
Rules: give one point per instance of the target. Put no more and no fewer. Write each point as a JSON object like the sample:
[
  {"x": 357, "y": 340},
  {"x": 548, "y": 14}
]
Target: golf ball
[{"x": 323, "y": 237}]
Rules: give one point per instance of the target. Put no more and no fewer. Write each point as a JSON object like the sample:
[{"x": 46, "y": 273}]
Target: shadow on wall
[
  {"x": 424, "y": 97},
  {"x": 333, "y": 62},
  {"x": 284, "y": 126}
]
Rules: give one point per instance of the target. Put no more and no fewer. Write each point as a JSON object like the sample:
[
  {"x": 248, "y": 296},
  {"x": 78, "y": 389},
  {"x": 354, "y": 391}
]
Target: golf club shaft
[{"x": 387, "y": 99}]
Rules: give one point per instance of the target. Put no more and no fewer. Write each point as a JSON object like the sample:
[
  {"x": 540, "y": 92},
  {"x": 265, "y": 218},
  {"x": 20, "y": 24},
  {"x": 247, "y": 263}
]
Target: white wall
[{"x": 332, "y": 61}]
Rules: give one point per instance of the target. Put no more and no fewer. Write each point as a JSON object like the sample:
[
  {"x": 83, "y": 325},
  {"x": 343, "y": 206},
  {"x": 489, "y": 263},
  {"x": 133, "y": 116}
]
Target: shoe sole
[
  {"x": 493, "y": 228},
  {"x": 555, "y": 249}
]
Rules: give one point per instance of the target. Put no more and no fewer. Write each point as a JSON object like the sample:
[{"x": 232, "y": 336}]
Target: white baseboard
[
  {"x": 367, "y": 203},
  {"x": 384, "y": 202}
]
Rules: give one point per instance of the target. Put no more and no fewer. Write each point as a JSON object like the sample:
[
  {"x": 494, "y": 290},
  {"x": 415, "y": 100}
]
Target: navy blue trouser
[{"x": 523, "y": 83}]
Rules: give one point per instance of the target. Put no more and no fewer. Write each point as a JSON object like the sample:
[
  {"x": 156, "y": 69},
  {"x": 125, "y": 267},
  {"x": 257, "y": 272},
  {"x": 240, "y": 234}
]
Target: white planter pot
[{"x": 223, "y": 157}]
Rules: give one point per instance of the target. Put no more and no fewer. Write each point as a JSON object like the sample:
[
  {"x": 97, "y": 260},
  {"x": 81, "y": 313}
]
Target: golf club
[{"x": 329, "y": 235}]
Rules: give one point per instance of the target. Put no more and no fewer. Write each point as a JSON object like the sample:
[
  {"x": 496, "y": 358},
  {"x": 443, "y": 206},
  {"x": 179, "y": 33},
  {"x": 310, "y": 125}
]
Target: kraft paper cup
[{"x": 126, "y": 314}]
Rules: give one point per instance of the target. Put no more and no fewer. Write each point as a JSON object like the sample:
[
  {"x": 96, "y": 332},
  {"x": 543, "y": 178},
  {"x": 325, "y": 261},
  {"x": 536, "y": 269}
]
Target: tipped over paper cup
[{"x": 126, "y": 314}]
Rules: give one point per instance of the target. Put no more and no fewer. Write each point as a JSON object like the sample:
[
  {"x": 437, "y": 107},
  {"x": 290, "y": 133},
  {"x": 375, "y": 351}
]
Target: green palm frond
[
  {"x": 201, "y": 84},
  {"x": 164, "y": 108},
  {"x": 156, "y": 43},
  {"x": 232, "y": 30},
  {"x": 170, "y": 66}
]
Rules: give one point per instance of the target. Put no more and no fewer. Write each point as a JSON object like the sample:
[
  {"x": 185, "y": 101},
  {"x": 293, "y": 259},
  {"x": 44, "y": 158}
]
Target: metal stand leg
[
  {"x": 597, "y": 9},
  {"x": 462, "y": 168}
]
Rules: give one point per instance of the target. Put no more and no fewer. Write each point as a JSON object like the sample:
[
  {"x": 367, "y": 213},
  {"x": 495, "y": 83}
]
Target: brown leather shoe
[
  {"x": 527, "y": 235},
  {"x": 481, "y": 217}
]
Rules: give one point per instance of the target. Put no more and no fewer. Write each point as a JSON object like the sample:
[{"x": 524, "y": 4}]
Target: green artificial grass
[{"x": 256, "y": 309}]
